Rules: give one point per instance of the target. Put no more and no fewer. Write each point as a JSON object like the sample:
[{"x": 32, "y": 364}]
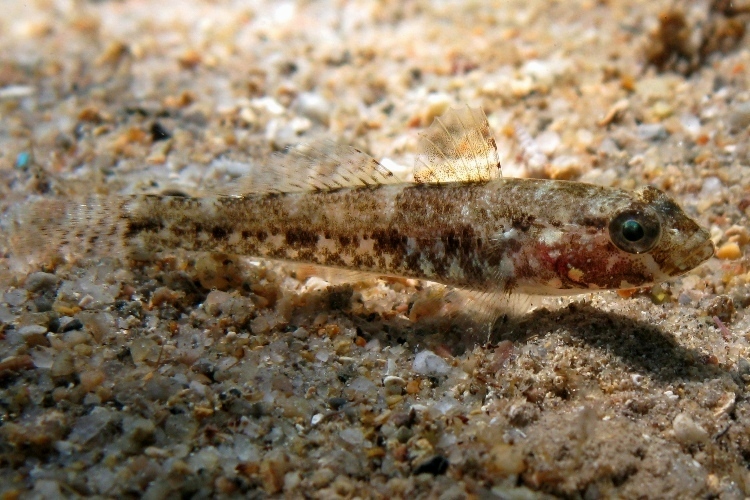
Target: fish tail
[{"x": 48, "y": 231}]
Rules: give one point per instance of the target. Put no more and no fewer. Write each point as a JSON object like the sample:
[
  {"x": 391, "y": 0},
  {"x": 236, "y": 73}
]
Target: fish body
[
  {"x": 458, "y": 223},
  {"x": 526, "y": 235}
]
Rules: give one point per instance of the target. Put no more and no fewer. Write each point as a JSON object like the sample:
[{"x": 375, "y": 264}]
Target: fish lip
[
  {"x": 695, "y": 254},
  {"x": 703, "y": 252},
  {"x": 711, "y": 250}
]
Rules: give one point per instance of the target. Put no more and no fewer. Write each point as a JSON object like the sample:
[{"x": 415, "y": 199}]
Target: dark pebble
[
  {"x": 257, "y": 410},
  {"x": 340, "y": 297},
  {"x": 743, "y": 369},
  {"x": 43, "y": 303},
  {"x": 436, "y": 466},
  {"x": 337, "y": 403},
  {"x": 73, "y": 324},
  {"x": 722, "y": 307},
  {"x": 41, "y": 282},
  {"x": 159, "y": 133}
]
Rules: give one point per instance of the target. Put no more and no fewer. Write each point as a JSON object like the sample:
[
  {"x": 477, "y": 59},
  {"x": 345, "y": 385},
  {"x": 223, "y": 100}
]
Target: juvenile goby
[{"x": 458, "y": 222}]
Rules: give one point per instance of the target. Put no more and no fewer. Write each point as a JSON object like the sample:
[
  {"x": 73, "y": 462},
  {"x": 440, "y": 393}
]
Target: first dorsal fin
[
  {"x": 457, "y": 147},
  {"x": 324, "y": 165}
]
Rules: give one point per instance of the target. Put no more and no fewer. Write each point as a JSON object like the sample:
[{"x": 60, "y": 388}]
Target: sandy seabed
[{"x": 195, "y": 376}]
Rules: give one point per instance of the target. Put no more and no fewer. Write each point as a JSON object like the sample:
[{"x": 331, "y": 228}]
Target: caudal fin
[{"x": 46, "y": 231}]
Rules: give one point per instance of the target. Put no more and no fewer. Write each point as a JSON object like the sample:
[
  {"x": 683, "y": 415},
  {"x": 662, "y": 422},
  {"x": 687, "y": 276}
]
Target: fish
[{"x": 457, "y": 222}]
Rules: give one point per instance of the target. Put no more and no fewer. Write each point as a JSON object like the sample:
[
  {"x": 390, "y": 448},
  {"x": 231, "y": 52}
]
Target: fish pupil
[{"x": 632, "y": 230}]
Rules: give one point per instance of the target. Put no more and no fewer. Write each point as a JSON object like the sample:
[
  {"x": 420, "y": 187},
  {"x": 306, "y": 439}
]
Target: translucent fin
[
  {"x": 460, "y": 319},
  {"x": 44, "y": 230},
  {"x": 485, "y": 307},
  {"x": 333, "y": 275},
  {"x": 457, "y": 147},
  {"x": 321, "y": 166}
]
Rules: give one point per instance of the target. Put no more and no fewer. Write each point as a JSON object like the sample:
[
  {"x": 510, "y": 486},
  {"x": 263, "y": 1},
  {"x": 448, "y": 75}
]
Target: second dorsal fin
[{"x": 457, "y": 147}]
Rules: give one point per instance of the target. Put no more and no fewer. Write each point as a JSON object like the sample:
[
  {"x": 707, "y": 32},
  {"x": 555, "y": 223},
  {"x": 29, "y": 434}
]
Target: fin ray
[
  {"x": 457, "y": 147},
  {"x": 320, "y": 166}
]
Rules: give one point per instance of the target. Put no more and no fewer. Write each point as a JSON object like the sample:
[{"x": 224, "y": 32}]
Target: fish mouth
[{"x": 696, "y": 250}]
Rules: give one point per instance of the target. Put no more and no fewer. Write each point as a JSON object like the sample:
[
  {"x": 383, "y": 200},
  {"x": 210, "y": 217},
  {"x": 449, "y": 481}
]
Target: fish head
[
  {"x": 615, "y": 239},
  {"x": 655, "y": 232}
]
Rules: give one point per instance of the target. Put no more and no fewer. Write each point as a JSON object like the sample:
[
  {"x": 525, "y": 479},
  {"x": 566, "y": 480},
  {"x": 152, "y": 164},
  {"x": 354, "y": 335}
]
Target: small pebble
[
  {"x": 436, "y": 465},
  {"x": 437, "y": 104},
  {"x": 412, "y": 387},
  {"x": 68, "y": 324},
  {"x": 394, "y": 385},
  {"x": 652, "y": 132},
  {"x": 322, "y": 477},
  {"x": 63, "y": 365},
  {"x": 584, "y": 138},
  {"x": 403, "y": 434},
  {"x": 729, "y": 251},
  {"x": 655, "y": 87},
  {"x": 292, "y": 480},
  {"x": 22, "y": 159},
  {"x": 739, "y": 117},
  {"x": 260, "y": 326},
  {"x": 314, "y": 106},
  {"x": 687, "y": 431},
  {"x": 214, "y": 301},
  {"x": 33, "y": 335},
  {"x": 91, "y": 425},
  {"x": 722, "y": 307},
  {"x": 662, "y": 109},
  {"x": 691, "y": 124},
  {"x": 360, "y": 387},
  {"x": 25, "y": 331},
  {"x": 564, "y": 167},
  {"x": 47, "y": 488},
  {"x": 506, "y": 459},
  {"x": 548, "y": 141},
  {"x": 91, "y": 379},
  {"x": 76, "y": 337},
  {"x": 16, "y": 91},
  {"x": 684, "y": 299},
  {"x": 430, "y": 364},
  {"x": 353, "y": 436},
  {"x": 143, "y": 349},
  {"x": 743, "y": 367},
  {"x": 159, "y": 133},
  {"x": 711, "y": 186},
  {"x": 16, "y": 297},
  {"x": 40, "y": 281},
  {"x": 522, "y": 414}
]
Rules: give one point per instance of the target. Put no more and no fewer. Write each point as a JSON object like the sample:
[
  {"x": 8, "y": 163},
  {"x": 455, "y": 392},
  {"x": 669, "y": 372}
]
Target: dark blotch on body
[
  {"x": 300, "y": 238},
  {"x": 143, "y": 226},
  {"x": 219, "y": 232},
  {"x": 596, "y": 223},
  {"x": 389, "y": 241},
  {"x": 523, "y": 222}
]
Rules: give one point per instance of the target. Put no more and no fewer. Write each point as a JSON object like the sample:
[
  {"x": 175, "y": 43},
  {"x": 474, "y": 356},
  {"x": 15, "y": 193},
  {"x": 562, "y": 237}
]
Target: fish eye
[
  {"x": 635, "y": 231},
  {"x": 632, "y": 230}
]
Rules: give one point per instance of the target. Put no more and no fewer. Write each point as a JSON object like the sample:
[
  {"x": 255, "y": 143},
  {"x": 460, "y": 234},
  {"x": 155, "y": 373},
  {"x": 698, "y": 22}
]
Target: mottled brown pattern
[{"x": 509, "y": 234}]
